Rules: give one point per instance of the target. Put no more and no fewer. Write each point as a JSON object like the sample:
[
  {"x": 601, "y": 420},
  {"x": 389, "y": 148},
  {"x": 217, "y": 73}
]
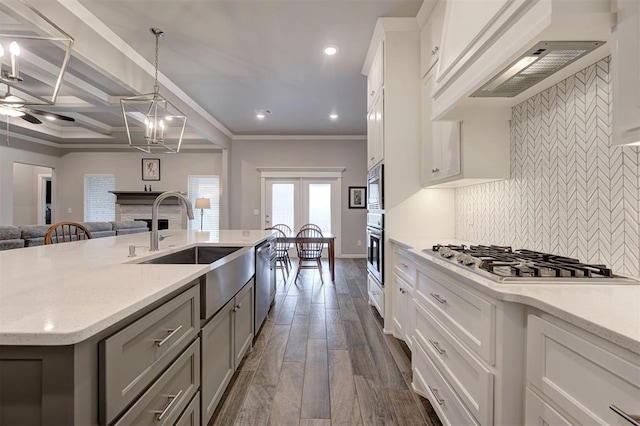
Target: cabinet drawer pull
[
  {"x": 435, "y": 50},
  {"x": 436, "y": 170},
  {"x": 436, "y": 395},
  {"x": 160, "y": 342},
  {"x": 404, "y": 265},
  {"x": 634, "y": 419},
  {"x": 173, "y": 399},
  {"x": 436, "y": 346},
  {"x": 438, "y": 298},
  {"x": 239, "y": 305},
  {"x": 372, "y": 158}
]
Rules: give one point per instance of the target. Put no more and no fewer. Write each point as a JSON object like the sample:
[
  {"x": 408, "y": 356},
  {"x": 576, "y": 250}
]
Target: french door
[{"x": 297, "y": 201}]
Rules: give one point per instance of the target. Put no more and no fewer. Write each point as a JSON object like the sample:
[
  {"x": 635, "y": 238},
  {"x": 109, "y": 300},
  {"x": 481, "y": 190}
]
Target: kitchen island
[{"x": 63, "y": 308}]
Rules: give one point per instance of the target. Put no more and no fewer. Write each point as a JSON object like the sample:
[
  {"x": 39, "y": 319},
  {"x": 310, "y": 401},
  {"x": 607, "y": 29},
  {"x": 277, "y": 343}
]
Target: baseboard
[{"x": 352, "y": 256}]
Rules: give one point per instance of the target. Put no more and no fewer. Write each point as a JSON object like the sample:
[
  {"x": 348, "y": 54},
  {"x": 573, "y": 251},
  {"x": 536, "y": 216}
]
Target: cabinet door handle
[
  {"x": 373, "y": 92},
  {"x": 172, "y": 400},
  {"x": 634, "y": 419},
  {"x": 438, "y": 298},
  {"x": 436, "y": 170},
  {"x": 372, "y": 158},
  {"x": 437, "y": 347},
  {"x": 435, "y": 50},
  {"x": 160, "y": 342},
  {"x": 239, "y": 306},
  {"x": 436, "y": 395},
  {"x": 404, "y": 265}
]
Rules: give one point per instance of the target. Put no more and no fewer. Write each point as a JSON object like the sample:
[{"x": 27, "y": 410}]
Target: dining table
[{"x": 327, "y": 238}]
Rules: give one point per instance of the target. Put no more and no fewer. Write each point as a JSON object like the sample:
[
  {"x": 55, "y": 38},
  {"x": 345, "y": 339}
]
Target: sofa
[
  {"x": 33, "y": 235},
  {"x": 10, "y": 238}
]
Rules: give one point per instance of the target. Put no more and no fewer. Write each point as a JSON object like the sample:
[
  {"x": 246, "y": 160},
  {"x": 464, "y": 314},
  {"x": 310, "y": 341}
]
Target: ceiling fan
[{"x": 14, "y": 106}]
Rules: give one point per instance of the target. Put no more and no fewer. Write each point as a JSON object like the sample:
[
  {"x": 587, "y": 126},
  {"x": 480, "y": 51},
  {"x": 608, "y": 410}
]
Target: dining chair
[
  {"x": 287, "y": 232},
  {"x": 309, "y": 251},
  {"x": 311, "y": 226},
  {"x": 282, "y": 252},
  {"x": 63, "y": 232}
]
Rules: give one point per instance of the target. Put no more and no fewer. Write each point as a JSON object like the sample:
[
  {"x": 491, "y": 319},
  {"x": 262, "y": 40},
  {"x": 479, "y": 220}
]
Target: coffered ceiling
[{"x": 220, "y": 61}]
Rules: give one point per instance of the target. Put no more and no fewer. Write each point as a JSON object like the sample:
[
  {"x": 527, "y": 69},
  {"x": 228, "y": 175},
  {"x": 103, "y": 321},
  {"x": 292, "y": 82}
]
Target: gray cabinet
[
  {"x": 163, "y": 402},
  {"x": 217, "y": 358},
  {"x": 225, "y": 341},
  {"x": 243, "y": 326},
  {"x": 191, "y": 415},
  {"x": 133, "y": 357}
]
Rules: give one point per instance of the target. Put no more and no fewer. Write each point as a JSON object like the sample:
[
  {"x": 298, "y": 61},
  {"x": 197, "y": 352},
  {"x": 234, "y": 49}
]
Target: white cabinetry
[
  {"x": 625, "y": 71},
  {"x": 580, "y": 375},
  {"x": 457, "y": 154},
  {"x": 375, "y": 78},
  {"x": 468, "y": 356},
  {"x": 430, "y": 37},
  {"x": 402, "y": 293},
  {"x": 376, "y": 295},
  {"x": 375, "y": 132}
]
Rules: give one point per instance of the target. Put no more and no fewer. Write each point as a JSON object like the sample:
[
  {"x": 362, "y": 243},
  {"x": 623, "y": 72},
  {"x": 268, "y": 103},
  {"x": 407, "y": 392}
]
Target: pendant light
[{"x": 153, "y": 124}]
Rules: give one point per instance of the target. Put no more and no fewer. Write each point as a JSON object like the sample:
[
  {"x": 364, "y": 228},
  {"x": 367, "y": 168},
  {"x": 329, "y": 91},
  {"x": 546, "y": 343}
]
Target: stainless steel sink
[
  {"x": 194, "y": 256},
  {"x": 230, "y": 268}
]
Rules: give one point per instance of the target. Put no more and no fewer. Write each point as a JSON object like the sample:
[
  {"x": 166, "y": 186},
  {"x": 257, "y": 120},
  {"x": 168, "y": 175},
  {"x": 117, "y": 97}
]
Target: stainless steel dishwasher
[{"x": 265, "y": 281}]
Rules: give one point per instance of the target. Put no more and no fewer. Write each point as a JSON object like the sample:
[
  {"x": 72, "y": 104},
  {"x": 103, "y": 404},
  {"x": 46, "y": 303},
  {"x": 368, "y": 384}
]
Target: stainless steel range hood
[{"x": 536, "y": 64}]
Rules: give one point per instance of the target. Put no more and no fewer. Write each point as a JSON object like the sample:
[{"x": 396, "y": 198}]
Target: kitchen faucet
[{"x": 153, "y": 245}]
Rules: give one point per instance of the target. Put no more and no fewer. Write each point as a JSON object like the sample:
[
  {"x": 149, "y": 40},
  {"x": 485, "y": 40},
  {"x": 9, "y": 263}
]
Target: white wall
[
  {"x": 25, "y": 193},
  {"x": 174, "y": 169},
  {"x": 10, "y": 155},
  {"x": 248, "y": 156}
]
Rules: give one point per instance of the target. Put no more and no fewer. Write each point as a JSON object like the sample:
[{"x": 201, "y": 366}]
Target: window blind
[
  {"x": 205, "y": 186},
  {"x": 99, "y": 203}
]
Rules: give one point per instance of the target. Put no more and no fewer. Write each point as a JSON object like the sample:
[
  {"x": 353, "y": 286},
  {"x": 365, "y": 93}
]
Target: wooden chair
[
  {"x": 63, "y": 232},
  {"x": 309, "y": 251},
  {"x": 311, "y": 226},
  {"x": 282, "y": 252},
  {"x": 288, "y": 232}
]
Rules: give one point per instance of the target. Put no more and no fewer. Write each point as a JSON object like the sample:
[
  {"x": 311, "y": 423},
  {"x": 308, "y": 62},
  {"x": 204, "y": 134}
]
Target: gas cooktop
[{"x": 503, "y": 264}]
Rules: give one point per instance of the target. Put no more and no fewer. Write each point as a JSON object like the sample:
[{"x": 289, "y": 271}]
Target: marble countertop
[
  {"x": 65, "y": 293},
  {"x": 608, "y": 310}
]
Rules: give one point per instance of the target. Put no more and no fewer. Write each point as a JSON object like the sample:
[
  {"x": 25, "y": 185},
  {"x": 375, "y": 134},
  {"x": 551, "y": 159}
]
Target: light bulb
[{"x": 14, "y": 48}]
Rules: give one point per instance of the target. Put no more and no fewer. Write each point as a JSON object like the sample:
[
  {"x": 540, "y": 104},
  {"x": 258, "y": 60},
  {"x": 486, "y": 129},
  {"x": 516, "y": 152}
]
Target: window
[
  {"x": 205, "y": 187},
  {"x": 99, "y": 203}
]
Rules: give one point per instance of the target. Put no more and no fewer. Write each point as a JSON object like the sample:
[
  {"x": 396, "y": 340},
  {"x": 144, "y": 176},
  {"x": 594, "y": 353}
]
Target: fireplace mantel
[{"x": 142, "y": 197}]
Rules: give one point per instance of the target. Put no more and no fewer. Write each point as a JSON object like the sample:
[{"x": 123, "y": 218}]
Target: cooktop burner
[{"x": 502, "y": 263}]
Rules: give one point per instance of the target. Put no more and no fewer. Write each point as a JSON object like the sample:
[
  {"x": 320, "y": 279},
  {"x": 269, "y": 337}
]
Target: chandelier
[
  {"x": 34, "y": 53},
  {"x": 153, "y": 124}
]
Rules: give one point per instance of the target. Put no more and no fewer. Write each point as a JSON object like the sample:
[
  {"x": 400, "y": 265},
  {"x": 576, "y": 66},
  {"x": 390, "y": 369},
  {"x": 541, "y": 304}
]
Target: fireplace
[
  {"x": 136, "y": 205},
  {"x": 162, "y": 223}
]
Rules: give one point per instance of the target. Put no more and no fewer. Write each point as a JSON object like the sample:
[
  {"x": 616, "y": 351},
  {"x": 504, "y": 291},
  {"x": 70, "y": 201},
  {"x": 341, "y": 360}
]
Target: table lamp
[{"x": 202, "y": 203}]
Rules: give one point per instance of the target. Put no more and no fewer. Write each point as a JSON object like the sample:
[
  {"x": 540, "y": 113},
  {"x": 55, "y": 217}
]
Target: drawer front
[
  {"x": 537, "y": 412},
  {"x": 170, "y": 394},
  {"x": 191, "y": 415},
  {"x": 472, "y": 381},
  {"x": 577, "y": 372},
  {"x": 404, "y": 266},
  {"x": 136, "y": 355},
  {"x": 468, "y": 317},
  {"x": 376, "y": 294},
  {"x": 430, "y": 384}
]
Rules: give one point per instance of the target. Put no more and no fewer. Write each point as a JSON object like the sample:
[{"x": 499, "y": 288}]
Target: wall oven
[
  {"x": 375, "y": 246},
  {"x": 375, "y": 191}
]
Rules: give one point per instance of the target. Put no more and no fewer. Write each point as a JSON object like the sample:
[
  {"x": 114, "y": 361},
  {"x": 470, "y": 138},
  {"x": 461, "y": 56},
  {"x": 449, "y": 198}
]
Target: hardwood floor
[{"x": 321, "y": 359}]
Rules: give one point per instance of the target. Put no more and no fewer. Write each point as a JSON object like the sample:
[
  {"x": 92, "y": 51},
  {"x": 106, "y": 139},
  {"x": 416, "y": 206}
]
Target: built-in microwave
[{"x": 375, "y": 188}]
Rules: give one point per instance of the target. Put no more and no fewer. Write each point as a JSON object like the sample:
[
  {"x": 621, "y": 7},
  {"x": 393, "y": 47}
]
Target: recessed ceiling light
[
  {"x": 262, "y": 113},
  {"x": 333, "y": 116},
  {"x": 330, "y": 50}
]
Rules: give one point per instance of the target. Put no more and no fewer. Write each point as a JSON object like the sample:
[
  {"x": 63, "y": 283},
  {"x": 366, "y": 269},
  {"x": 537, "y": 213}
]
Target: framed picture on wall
[
  {"x": 357, "y": 197},
  {"x": 150, "y": 169}
]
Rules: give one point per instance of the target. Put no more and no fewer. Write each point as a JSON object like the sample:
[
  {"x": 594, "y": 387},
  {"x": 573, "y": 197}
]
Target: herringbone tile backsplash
[{"x": 570, "y": 192}]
